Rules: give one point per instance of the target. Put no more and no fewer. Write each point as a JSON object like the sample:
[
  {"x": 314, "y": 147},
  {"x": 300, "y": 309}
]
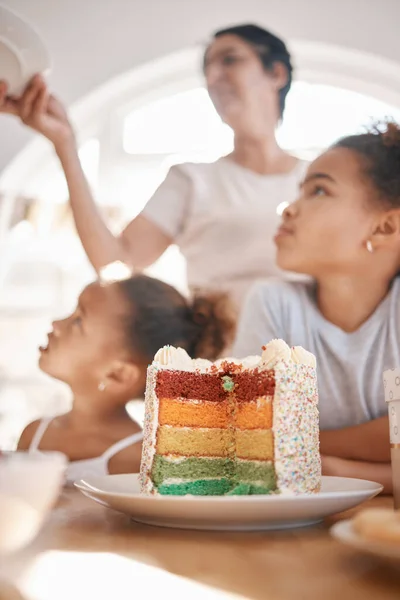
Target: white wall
[{"x": 94, "y": 40}]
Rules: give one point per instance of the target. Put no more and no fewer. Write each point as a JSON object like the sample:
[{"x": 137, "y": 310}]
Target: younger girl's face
[
  {"x": 325, "y": 231},
  {"x": 82, "y": 347}
]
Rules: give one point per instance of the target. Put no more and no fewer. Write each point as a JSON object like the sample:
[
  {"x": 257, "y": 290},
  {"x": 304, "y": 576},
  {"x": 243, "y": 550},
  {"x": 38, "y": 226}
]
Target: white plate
[
  {"x": 345, "y": 533},
  {"x": 22, "y": 52},
  {"x": 239, "y": 513}
]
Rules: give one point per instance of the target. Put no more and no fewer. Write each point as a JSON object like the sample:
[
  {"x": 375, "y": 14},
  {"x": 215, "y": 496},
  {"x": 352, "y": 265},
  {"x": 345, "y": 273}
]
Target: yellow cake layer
[
  {"x": 243, "y": 415},
  {"x": 252, "y": 444},
  {"x": 194, "y": 442},
  {"x": 255, "y": 444}
]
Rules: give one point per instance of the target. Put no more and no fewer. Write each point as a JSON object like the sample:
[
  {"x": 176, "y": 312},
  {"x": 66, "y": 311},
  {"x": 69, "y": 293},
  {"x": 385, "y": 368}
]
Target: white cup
[
  {"x": 391, "y": 382},
  {"x": 29, "y": 486}
]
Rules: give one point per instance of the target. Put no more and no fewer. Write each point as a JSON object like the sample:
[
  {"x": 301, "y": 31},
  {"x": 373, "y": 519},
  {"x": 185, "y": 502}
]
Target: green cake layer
[
  {"x": 212, "y": 487},
  {"x": 250, "y": 489},
  {"x": 193, "y": 470},
  {"x": 201, "y": 487},
  {"x": 248, "y": 471}
]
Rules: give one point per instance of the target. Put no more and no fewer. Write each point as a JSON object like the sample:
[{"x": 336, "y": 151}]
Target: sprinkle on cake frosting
[{"x": 233, "y": 426}]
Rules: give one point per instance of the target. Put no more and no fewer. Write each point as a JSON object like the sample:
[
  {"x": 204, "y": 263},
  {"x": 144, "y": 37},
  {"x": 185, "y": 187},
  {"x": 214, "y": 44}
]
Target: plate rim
[
  {"x": 82, "y": 486},
  {"x": 343, "y": 532}
]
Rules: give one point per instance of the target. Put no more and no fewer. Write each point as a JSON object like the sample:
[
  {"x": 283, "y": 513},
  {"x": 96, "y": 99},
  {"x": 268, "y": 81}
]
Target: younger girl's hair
[
  {"x": 161, "y": 316},
  {"x": 379, "y": 150}
]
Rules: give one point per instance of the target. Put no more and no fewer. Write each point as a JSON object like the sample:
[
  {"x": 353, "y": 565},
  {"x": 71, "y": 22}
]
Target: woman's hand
[{"x": 40, "y": 110}]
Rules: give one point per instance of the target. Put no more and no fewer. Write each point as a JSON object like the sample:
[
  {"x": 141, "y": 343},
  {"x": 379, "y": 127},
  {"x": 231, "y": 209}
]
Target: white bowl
[
  {"x": 29, "y": 486},
  {"x": 22, "y": 51}
]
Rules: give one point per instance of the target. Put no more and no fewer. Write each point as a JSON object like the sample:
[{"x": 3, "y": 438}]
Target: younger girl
[
  {"x": 102, "y": 351},
  {"x": 343, "y": 231}
]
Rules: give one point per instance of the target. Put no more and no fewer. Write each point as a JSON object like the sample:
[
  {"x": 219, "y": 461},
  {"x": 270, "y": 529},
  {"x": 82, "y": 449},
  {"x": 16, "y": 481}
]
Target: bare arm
[
  {"x": 372, "y": 471},
  {"x": 126, "y": 461},
  {"x": 142, "y": 242},
  {"x": 367, "y": 442}
]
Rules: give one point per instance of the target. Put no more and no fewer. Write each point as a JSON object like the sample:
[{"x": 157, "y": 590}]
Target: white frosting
[
  {"x": 303, "y": 357},
  {"x": 296, "y": 429},
  {"x": 251, "y": 362},
  {"x": 275, "y": 352},
  {"x": 175, "y": 459},
  {"x": 174, "y": 358},
  {"x": 149, "y": 432},
  {"x": 179, "y": 480},
  {"x": 202, "y": 364}
]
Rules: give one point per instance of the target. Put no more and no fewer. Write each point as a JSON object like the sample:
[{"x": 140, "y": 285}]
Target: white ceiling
[{"x": 92, "y": 41}]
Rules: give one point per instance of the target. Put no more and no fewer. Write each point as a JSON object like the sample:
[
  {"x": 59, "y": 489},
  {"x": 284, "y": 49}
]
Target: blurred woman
[{"x": 221, "y": 215}]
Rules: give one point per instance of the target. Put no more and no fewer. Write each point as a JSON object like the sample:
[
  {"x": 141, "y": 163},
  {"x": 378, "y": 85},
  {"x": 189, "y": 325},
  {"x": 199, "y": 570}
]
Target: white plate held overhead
[
  {"x": 236, "y": 513},
  {"x": 22, "y": 52}
]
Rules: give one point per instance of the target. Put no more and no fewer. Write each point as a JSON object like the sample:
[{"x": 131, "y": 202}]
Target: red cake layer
[
  {"x": 249, "y": 385},
  {"x": 253, "y": 384},
  {"x": 193, "y": 386}
]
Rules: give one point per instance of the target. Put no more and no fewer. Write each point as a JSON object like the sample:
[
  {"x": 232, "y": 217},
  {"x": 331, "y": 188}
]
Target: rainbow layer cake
[{"x": 231, "y": 427}]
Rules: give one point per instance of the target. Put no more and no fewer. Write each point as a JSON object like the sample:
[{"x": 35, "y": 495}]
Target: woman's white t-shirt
[{"x": 223, "y": 218}]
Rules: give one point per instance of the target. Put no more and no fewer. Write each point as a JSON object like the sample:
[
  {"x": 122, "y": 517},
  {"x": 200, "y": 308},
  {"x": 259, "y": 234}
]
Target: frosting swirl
[
  {"x": 176, "y": 358},
  {"x": 274, "y": 352},
  {"x": 303, "y": 357}
]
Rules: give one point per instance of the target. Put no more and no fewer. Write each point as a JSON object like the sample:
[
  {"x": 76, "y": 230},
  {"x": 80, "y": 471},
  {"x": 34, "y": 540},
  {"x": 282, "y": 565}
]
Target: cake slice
[{"x": 231, "y": 427}]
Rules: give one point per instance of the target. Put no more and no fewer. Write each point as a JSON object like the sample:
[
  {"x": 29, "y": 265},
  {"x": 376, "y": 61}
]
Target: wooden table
[{"x": 86, "y": 551}]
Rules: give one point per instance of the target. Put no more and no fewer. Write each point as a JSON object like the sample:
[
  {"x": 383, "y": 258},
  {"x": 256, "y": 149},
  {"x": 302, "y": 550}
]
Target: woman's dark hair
[
  {"x": 161, "y": 316},
  {"x": 269, "y": 48},
  {"x": 379, "y": 150}
]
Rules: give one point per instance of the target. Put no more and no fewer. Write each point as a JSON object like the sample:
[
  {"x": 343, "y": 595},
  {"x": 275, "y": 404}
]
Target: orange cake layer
[
  {"x": 193, "y": 414},
  {"x": 184, "y": 413},
  {"x": 194, "y": 442},
  {"x": 254, "y": 415}
]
